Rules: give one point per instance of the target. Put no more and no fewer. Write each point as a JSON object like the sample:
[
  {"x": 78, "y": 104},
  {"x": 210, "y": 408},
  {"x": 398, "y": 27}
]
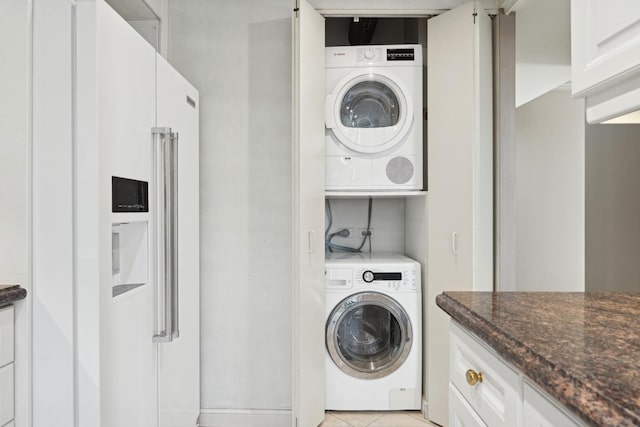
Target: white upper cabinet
[{"x": 605, "y": 49}]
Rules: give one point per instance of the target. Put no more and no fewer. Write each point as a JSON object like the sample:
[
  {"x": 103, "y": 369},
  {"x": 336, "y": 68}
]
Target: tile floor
[{"x": 375, "y": 419}]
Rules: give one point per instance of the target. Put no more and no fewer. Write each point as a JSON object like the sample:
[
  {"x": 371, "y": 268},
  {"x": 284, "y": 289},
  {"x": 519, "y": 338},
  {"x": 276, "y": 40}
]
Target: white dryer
[
  {"x": 373, "y": 117},
  {"x": 373, "y": 332}
]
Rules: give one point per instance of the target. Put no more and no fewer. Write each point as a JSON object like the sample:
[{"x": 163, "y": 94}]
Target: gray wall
[
  {"x": 550, "y": 171},
  {"x": 613, "y": 207},
  {"x": 238, "y": 55}
]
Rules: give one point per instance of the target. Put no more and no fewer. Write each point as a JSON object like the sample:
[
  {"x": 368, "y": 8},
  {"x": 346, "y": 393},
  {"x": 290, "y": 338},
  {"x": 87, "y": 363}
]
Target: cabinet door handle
[
  {"x": 454, "y": 243},
  {"x": 312, "y": 241},
  {"x": 473, "y": 377}
]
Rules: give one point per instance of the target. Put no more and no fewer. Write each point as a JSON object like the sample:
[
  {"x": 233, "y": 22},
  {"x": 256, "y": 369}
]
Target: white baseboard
[
  {"x": 245, "y": 418},
  {"x": 425, "y": 408}
]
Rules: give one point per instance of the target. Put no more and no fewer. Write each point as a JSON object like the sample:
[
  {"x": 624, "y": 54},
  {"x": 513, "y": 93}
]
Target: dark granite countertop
[
  {"x": 11, "y": 293},
  {"x": 583, "y": 349}
]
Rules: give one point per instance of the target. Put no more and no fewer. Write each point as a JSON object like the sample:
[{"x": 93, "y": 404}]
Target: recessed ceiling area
[{"x": 141, "y": 16}]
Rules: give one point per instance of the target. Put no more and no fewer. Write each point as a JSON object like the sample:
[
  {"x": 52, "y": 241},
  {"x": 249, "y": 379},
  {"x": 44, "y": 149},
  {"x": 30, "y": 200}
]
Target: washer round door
[
  {"x": 369, "y": 335},
  {"x": 369, "y": 113}
]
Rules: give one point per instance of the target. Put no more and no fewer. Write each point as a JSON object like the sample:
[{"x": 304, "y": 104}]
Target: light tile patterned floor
[{"x": 375, "y": 419}]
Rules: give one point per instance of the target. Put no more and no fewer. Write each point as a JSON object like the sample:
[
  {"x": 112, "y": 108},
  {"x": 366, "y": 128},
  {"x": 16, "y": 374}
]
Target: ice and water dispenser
[{"x": 129, "y": 239}]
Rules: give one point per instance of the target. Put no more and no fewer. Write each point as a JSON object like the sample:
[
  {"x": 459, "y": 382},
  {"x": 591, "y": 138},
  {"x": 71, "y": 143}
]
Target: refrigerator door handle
[
  {"x": 164, "y": 232},
  {"x": 173, "y": 247}
]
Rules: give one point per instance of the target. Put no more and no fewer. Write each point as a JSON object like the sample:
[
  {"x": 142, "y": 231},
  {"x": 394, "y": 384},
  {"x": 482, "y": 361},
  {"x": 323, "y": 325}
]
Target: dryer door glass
[
  {"x": 369, "y": 104},
  {"x": 369, "y": 112},
  {"x": 369, "y": 335}
]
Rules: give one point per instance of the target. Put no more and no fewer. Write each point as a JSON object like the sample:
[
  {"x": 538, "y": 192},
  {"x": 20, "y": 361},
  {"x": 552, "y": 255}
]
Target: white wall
[
  {"x": 550, "y": 158},
  {"x": 238, "y": 55},
  {"x": 387, "y": 223},
  {"x": 15, "y": 182},
  {"x": 53, "y": 287},
  {"x": 613, "y": 208}
]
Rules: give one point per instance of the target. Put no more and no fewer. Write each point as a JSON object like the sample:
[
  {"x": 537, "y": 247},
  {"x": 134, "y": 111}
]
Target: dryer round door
[
  {"x": 369, "y": 113},
  {"x": 369, "y": 335}
]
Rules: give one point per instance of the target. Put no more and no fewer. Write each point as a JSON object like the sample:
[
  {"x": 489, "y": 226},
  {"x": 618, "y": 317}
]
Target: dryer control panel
[
  {"x": 406, "y": 55},
  {"x": 380, "y": 54}
]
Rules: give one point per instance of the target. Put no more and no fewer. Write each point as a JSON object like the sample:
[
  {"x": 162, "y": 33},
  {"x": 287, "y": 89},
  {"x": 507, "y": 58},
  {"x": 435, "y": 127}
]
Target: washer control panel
[
  {"x": 402, "y": 279},
  {"x": 391, "y": 273}
]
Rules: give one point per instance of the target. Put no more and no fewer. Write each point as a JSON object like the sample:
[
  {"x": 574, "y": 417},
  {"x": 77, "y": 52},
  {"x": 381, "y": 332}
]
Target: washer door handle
[{"x": 329, "y": 117}]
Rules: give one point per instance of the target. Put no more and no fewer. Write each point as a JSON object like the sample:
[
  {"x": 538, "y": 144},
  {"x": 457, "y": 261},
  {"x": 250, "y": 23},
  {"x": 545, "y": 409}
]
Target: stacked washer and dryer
[{"x": 374, "y": 142}]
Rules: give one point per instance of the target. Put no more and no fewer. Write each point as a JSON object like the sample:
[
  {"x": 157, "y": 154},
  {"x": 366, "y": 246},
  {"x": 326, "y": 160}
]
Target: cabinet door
[
  {"x": 179, "y": 360},
  {"x": 495, "y": 398},
  {"x": 309, "y": 355},
  {"x": 538, "y": 411},
  {"x": 605, "y": 42},
  {"x": 6, "y": 393},
  {"x": 460, "y": 412},
  {"x": 460, "y": 172}
]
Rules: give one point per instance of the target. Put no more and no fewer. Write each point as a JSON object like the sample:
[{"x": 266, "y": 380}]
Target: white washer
[
  {"x": 373, "y": 117},
  {"x": 373, "y": 332}
]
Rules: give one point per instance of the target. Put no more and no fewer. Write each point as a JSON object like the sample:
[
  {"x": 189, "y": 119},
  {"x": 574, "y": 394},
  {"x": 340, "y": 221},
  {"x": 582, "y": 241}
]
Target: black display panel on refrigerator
[{"x": 129, "y": 195}]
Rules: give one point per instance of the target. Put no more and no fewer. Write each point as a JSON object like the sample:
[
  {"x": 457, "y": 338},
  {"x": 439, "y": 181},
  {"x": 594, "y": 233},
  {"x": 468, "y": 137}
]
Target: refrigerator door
[
  {"x": 179, "y": 360},
  {"x": 124, "y": 93}
]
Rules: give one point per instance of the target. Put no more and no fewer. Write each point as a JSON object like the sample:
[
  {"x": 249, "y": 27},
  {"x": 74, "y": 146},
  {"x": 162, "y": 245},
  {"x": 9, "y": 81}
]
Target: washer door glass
[
  {"x": 369, "y": 104},
  {"x": 369, "y": 113},
  {"x": 369, "y": 335}
]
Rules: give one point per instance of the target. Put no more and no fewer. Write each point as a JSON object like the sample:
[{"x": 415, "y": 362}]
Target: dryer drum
[
  {"x": 369, "y": 335},
  {"x": 369, "y": 104}
]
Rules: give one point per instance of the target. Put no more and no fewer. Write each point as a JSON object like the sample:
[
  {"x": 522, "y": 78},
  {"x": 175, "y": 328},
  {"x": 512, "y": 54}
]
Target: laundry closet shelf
[{"x": 374, "y": 194}]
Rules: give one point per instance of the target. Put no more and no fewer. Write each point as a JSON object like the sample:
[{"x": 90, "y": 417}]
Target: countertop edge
[
  {"x": 555, "y": 381},
  {"x": 12, "y": 294}
]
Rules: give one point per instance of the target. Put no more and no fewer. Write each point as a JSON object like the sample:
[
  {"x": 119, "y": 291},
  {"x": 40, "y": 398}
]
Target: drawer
[
  {"x": 6, "y": 335},
  {"x": 460, "y": 413},
  {"x": 539, "y": 411},
  {"x": 497, "y": 398},
  {"x": 6, "y": 394}
]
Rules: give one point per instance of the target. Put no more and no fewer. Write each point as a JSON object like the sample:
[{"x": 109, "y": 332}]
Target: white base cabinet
[
  {"x": 539, "y": 411},
  {"x": 6, "y": 366},
  {"x": 484, "y": 390},
  {"x": 461, "y": 414}
]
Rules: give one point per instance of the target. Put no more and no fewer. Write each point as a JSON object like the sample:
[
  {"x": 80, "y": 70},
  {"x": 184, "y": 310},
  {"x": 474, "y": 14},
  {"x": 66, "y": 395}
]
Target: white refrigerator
[{"x": 137, "y": 227}]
